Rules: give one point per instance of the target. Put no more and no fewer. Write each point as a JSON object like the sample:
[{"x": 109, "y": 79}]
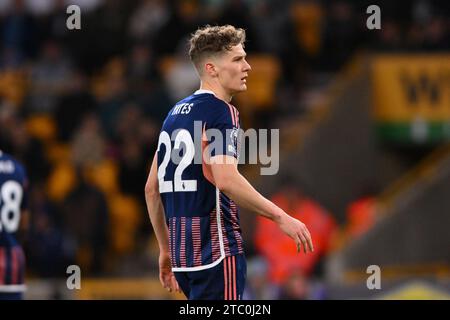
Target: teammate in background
[
  {"x": 12, "y": 207},
  {"x": 193, "y": 206}
]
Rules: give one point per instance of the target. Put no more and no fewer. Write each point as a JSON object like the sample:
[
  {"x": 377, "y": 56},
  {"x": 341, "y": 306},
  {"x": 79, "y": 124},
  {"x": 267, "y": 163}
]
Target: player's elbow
[
  {"x": 225, "y": 177},
  {"x": 151, "y": 190},
  {"x": 224, "y": 183}
]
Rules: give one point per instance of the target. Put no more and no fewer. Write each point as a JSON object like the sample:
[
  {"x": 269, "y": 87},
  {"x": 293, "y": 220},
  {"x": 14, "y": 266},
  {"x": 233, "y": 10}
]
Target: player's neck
[{"x": 219, "y": 92}]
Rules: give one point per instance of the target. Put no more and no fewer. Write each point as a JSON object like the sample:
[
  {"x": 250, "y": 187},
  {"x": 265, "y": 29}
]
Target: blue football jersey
[
  {"x": 12, "y": 201},
  {"x": 203, "y": 222}
]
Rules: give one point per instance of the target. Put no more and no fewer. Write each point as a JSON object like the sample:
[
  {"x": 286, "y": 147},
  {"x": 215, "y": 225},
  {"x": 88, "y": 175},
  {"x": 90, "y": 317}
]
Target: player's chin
[
  {"x": 237, "y": 89},
  {"x": 242, "y": 87}
]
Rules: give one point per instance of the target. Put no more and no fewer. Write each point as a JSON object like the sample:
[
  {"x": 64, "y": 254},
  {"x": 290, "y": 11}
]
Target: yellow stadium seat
[
  {"x": 42, "y": 127},
  {"x": 13, "y": 86},
  {"x": 308, "y": 23},
  {"x": 58, "y": 152},
  {"x": 112, "y": 74},
  {"x": 165, "y": 64},
  {"x": 104, "y": 176},
  {"x": 84, "y": 257},
  {"x": 61, "y": 181},
  {"x": 124, "y": 222}
]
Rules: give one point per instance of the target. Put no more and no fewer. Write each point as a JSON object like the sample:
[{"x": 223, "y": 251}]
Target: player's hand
[
  {"x": 297, "y": 231},
  {"x": 166, "y": 276}
]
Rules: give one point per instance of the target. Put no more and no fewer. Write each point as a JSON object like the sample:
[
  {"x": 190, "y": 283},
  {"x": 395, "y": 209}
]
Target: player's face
[{"x": 233, "y": 70}]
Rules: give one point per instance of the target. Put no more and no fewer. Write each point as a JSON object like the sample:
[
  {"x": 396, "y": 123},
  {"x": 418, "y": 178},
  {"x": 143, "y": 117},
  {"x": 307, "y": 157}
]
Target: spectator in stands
[
  {"x": 295, "y": 287},
  {"x": 390, "y": 39},
  {"x": 18, "y": 33},
  {"x": 181, "y": 78},
  {"x": 340, "y": 36},
  {"x": 73, "y": 106},
  {"x": 88, "y": 144},
  {"x": 85, "y": 218},
  {"x": 147, "y": 19},
  {"x": 259, "y": 286},
  {"x": 29, "y": 150},
  {"x": 298, "y": 286},
  {"x": 142, "y": 73},
  {"x": 50, "y": 77},
  {"x": 437, "y": 34},
  {"x": 183, "y": 20},
  {"x": 113, "y": 94},
  {"x": 237, "y": 13},
  {"x": 48, "y": 249},
  {"x": 131, "y": 166}
]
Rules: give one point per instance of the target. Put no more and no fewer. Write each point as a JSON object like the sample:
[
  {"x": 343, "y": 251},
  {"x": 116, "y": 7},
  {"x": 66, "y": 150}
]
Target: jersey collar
[{"x": 200, "y": 91}]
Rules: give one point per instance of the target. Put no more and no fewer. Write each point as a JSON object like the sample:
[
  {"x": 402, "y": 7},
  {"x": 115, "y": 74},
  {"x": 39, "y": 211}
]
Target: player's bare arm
[
  {"x": 157, "y": 217},
  {"x": 228, "y": 179}
]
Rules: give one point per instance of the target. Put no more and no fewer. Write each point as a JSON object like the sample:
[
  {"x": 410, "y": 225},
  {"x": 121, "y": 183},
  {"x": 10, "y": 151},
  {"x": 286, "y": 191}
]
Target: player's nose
[{"x": 247, "y": 67}]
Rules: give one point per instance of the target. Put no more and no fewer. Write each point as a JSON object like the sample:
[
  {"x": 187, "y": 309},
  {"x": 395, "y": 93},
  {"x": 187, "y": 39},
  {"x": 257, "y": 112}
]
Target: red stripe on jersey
[
  {"x": 236, "y": 115},
  {"x": 234, "y": 220},
  {"x": 230, "y": 279},
  {"x": 233, "y": 117},
  {"x": 234, "y": 276},
  {"x": 183, "y": 242},
  {"x": 226, "y": 244},
  {"x": 225, "y": 280},
  {"x": 14, "y": 266},
  {"x": 224, "y": 233},
  {"x": 22, "y": 265},
  {"x": 215, "y": 245},
  {"x": 170, "y": 240},
  {"x": 173, "y": 235},
  {"x": 196, "y": 241},
  {"x": 2, "y": 265}
]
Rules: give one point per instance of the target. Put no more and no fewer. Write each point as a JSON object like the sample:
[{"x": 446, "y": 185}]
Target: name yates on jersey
[{"x": 182, "y": 108}]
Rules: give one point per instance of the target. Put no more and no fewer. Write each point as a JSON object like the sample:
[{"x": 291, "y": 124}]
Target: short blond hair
[{"x": 211, "y": 40}]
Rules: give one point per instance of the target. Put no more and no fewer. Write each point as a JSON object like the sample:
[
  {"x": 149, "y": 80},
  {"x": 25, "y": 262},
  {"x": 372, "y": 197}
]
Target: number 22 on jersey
[{"x": 178, "y": 184}]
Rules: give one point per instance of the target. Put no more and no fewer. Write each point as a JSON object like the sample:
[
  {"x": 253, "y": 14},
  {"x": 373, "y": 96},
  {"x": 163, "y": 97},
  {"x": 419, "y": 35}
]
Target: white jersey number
[
  {"x": 10, "y": 199},
  {"x": 179, "y": 185}
]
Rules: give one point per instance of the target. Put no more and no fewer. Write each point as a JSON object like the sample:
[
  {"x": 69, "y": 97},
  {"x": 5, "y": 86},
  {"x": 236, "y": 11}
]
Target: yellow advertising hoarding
[{"x": 411, "y": 87}]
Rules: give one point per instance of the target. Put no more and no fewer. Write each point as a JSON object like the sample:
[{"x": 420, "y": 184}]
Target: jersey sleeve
[{"x": 222, "y": 131}]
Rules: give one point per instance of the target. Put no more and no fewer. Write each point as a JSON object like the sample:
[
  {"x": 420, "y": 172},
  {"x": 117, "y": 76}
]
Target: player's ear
[{"x": 211, "y": 69}]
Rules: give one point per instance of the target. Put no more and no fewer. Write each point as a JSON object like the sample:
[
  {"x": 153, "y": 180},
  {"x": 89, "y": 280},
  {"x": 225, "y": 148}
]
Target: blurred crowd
[{"x": 82, "y": 109}]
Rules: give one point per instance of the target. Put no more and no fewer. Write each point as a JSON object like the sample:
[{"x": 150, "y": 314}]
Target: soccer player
[
  {"x": 12, "y": 205},
  {"x": 193, "y": 205}
]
